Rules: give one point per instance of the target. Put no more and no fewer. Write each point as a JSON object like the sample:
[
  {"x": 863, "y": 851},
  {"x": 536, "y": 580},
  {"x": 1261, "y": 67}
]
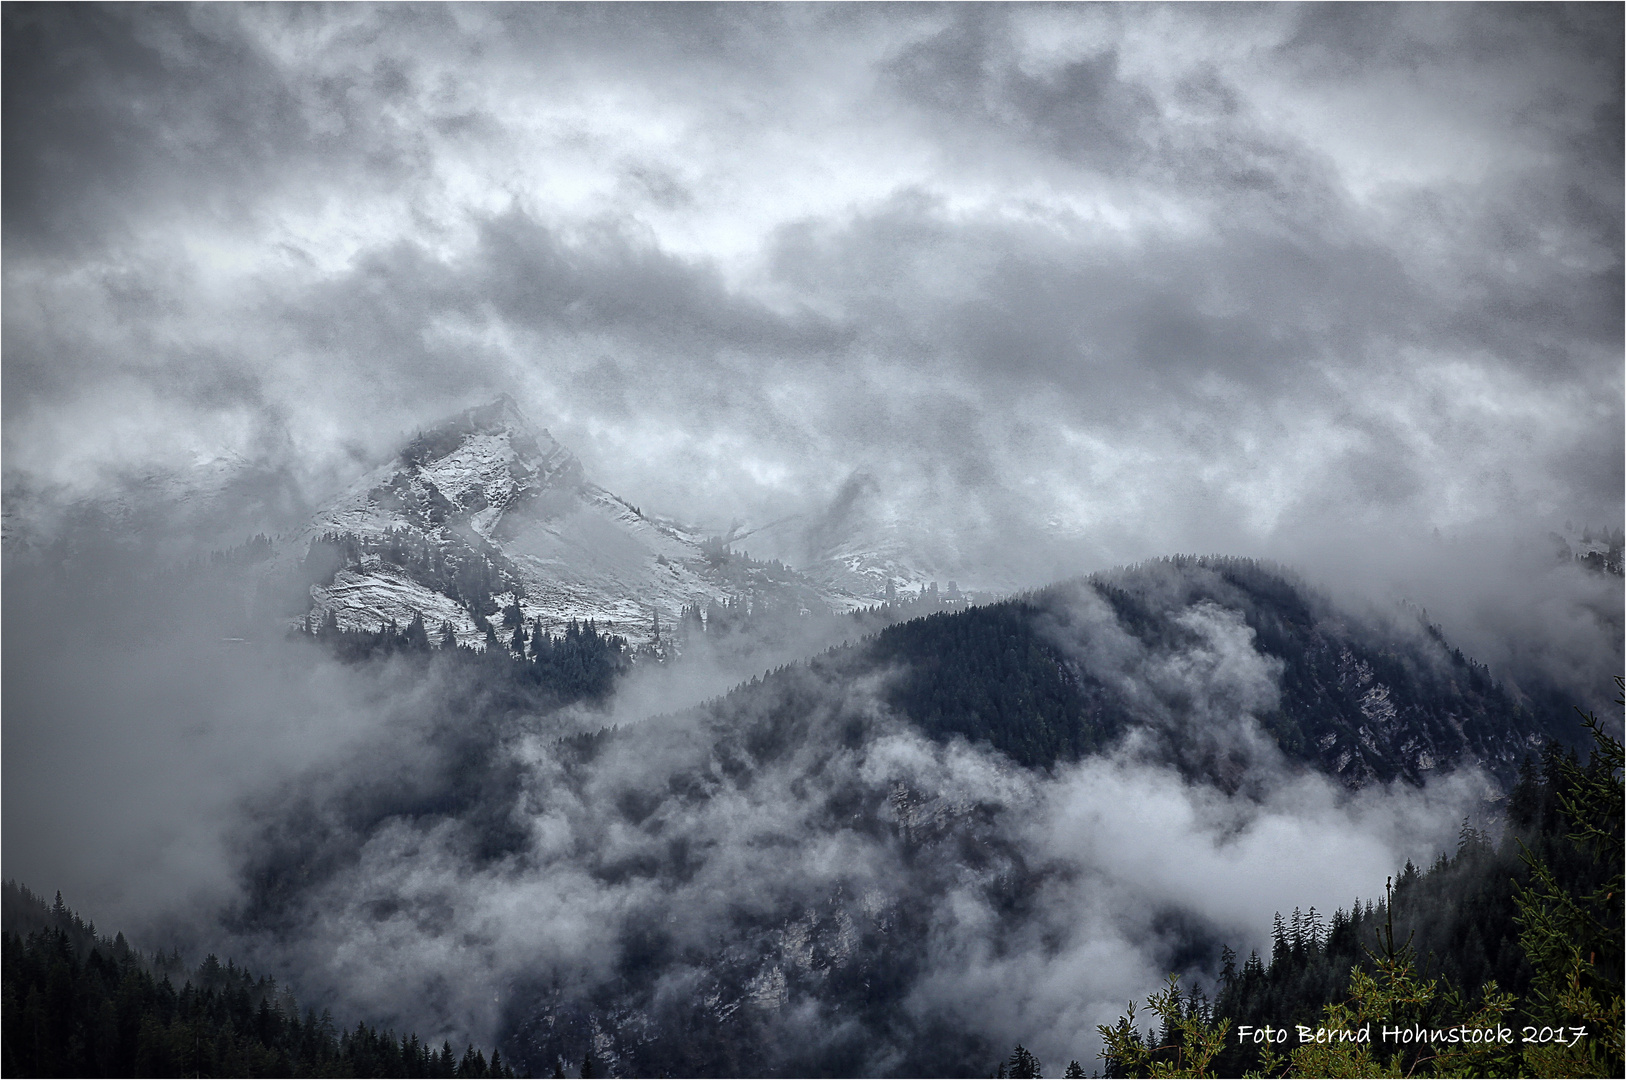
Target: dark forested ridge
[
  {"x": 1031, "y": 676},
  {"x": 992, "y": 675},
  {"x": 1362, "y": 701},
  {"x": 76, "y": 1003}
]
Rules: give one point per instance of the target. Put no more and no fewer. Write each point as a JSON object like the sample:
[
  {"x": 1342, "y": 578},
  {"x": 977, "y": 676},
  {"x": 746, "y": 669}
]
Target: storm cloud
[{"x": 1113, "y": 280}]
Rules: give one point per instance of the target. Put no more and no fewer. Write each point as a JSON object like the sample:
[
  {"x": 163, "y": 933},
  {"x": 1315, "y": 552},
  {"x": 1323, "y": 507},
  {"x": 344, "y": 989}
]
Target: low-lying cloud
[{"x": 1038, "y": 903}]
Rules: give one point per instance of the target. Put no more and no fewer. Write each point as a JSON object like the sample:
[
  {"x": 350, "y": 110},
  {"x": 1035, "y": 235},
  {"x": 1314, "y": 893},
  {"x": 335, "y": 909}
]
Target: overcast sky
[
  {"x": 1130, "y": 279},
  {"x": 1061, "y": 286}
]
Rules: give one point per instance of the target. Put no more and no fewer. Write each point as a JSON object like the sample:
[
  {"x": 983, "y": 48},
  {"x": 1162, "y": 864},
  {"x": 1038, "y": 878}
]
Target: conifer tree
[
  {"x": 1023, "y": 1065},
  {"x": 1574, "y": 942},
  {"x": 417, "y": 636}
]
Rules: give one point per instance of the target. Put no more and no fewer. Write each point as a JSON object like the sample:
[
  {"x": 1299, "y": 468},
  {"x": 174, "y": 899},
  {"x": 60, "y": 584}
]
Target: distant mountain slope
[{"x": 485, "y": 510}]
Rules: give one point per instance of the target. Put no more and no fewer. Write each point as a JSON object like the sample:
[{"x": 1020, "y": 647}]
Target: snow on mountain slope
[{"x": 488, "y": 488}]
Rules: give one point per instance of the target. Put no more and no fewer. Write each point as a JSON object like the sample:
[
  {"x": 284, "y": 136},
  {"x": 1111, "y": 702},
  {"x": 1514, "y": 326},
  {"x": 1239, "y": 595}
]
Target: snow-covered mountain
[{"x": 485, "y": 510}]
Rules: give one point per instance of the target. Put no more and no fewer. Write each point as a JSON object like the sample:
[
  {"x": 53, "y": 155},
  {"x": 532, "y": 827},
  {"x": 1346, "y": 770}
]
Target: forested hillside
[
  {"x": 77, "y": 1003},
  {"x": 689, "y": 853},
  {"x": 1059, "y": 673},
  {"x": 526, "y": 667},
  {"x": 1523, "y": 937}
]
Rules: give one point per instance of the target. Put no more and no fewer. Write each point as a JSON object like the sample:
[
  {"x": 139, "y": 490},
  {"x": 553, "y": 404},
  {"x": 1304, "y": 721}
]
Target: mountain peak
[
  {"x": 501, "y": 413},
  {"x": 500, "y": 418}
]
